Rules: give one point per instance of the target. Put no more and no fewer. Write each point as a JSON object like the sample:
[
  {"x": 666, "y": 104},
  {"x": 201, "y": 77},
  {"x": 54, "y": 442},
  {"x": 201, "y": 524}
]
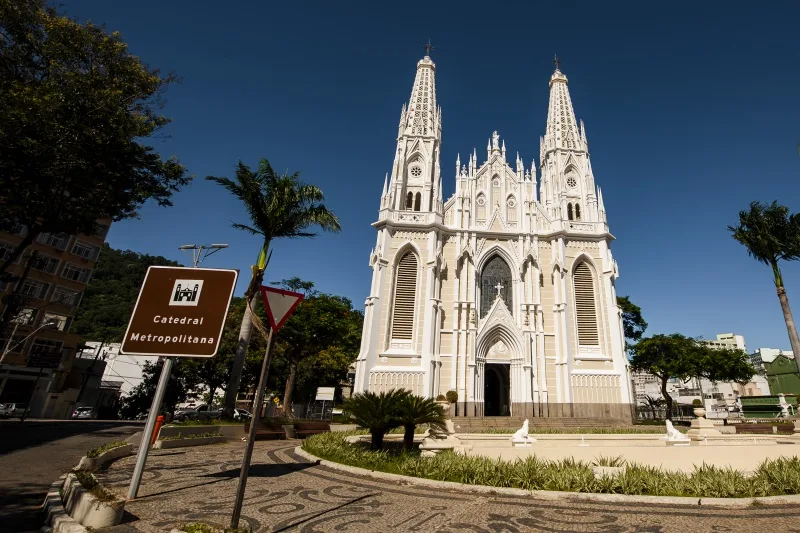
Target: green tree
[
  {"x": 633, "y": 324},
  {"x": 182, "y": 384},
  {"x": 378, "y": 412},
  {"x": 666, "y": 356},
  {"x": 76, "y": 110},
  {"x": 414, "y": 410},
  {"x": 279, "y": 206},
  {"x": 725, "y": 364},
  {"x": 109, "y": 298},
  {"x": 771, "y": 234},
  {"x": 655, "y": 405},
  {"x": 322, "y": 326}
]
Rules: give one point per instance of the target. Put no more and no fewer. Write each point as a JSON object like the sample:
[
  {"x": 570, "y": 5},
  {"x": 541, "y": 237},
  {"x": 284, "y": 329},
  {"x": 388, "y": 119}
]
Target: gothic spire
[
  {"x": 421, "y": 117},
  {"x": 562, "y": 128}
]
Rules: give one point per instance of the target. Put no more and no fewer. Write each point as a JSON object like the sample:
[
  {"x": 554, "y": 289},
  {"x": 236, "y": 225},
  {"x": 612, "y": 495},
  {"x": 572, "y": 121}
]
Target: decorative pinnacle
[
  {"x": 427, "y": 47},
  {"x": 556, "y": 61}
]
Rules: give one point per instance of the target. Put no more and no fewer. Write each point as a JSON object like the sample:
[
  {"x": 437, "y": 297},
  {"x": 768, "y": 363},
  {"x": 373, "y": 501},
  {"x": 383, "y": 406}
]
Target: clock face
[{"x": 572, "y": 182}]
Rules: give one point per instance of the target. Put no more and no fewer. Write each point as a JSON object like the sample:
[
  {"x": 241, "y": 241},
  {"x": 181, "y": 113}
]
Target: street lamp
[
  {"x": 8, "y": 348},
  {"x": 199, "y": 252}
]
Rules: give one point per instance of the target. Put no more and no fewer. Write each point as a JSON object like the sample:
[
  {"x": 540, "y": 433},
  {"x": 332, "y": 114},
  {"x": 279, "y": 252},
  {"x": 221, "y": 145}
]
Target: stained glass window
[{"x": 496, "y": 276}]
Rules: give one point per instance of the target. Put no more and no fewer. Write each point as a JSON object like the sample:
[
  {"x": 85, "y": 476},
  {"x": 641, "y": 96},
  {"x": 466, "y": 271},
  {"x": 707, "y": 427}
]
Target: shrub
[
  {"x": 100, "y": 450},
  {"x": 415, "y": 410},
  {"x": 697, "y": 403},
  {"x": 452, "y": 396},
  {"x": 199, "y": 527},
  {"x": 90, "y": 483},
  {"x": 441, "y": 398},
  {"x": 376, "y": 412},
  {"x": 181, "y": 436}
]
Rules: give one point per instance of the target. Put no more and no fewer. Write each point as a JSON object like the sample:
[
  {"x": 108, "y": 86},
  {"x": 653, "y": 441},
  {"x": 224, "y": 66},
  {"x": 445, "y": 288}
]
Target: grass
[
  {"x": 773, "y": 477},
  {"x": 90, "y": 483},
  {"x": 181, "y": 436},
  {"x": 199, "y": 527},
  {"x": 100, "y": 450}
]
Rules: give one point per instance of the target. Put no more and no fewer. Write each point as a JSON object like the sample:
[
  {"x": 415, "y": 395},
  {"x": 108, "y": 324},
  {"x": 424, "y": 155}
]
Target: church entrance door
[{"x": 497, "y": 390}]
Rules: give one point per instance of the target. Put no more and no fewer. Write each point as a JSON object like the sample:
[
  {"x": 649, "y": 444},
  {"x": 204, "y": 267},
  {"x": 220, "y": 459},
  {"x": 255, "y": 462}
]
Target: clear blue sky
[{"x": 692, "y": 110}]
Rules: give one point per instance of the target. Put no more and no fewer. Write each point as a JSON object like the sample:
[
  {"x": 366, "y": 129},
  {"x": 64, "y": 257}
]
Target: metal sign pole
[
  {"x": 251, "y": 435},
  {"x": 144, "y": 445}
]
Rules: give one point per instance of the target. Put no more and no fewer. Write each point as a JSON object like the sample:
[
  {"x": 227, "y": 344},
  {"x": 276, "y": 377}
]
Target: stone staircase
[{"x": 478, "y": 424}]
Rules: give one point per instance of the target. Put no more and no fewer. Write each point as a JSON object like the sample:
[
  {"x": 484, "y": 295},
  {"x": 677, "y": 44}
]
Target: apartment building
[{"x": 37, "y": 346}]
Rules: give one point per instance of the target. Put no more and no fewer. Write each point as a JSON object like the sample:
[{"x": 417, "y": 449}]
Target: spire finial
[
  {"x": 556, "y": 61},
  {"x": 427, "y": 47}
]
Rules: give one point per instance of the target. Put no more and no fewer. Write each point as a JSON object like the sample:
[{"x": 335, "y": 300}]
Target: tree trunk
[
  {"x": 27, "y": 240},
  {"x": 377, "y": 439},
  {"x": 794, "y": 341},
  {"x": 408, "y": 436},
  {"x": 667, "y": 397},
  {"x": 245, "y": 332},
  {"x": 287, "y": 393}
]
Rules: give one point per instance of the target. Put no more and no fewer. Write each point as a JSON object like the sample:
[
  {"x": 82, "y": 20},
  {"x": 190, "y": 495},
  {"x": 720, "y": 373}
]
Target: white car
[{"x": 8, "y": 410}]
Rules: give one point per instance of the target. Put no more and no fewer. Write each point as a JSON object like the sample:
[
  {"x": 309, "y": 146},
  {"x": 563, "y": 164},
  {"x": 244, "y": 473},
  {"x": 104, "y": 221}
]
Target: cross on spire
[
  {"x": 499, "y": 288},
  {"x": 556, "y": 61},
  {"x": 427, "y": 47}
]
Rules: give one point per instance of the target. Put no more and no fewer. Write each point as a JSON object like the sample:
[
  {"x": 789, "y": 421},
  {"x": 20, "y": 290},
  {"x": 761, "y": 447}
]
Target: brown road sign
[{"x": 180, "y": 312}]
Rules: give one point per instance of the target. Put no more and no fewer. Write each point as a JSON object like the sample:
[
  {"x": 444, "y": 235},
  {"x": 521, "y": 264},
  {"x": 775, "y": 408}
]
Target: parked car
[
  {"x": 201, "y": 412},
  {"x": 9, "y": 410},
  {"x": 84, "y": 413},
  {"x": 242, "y": 414}
]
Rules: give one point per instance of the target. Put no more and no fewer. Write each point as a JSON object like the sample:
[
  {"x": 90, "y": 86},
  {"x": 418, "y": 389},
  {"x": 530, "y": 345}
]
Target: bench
[
  {"x": 764, "y": 429},
  {"x": 265, "y": 430},
  {"x": 304, "y": 429}
]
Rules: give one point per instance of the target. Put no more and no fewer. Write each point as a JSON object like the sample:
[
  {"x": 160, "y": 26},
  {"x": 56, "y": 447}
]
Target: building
[
  {"x": 125, "y": 369},
  {"x": 505, "y": 292},
  {"x": 782, "y": 375},
  {"x": 730, "y": 341},
  {"x": 645, "y": 385},
  {"x": 767, "y": 355},
  {"x": 52, "y": 274}
]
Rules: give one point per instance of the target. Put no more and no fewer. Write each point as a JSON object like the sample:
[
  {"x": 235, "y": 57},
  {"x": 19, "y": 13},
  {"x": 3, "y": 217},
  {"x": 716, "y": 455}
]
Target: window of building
[
  {"x": 6, "y": 249},
  {"x": 569, "y": 211},
  {"x": 417, "y": 201},
  {"x": 14, "y": 228},
  {"x": 25, "y": 317},
  {"x": 87, "y": 251},
  {"x": 577, "y": 211},
  {"x": 64, "y": 296},
  {"x": 56, "y": 240},
  {"x": 495, "y": 279},
  {"x": 34, "y": 289},
  {"x": 62, "y": 322},
  {"x": 511, "y": 209},
  {"x": 101, "y": 231},
  {"x": 46, "y": 346},
  {"x": 480, "y": 212},
  {"x": 585, "y": 311},
  {"x": 410, "y": 200},
  {"x": 14, "y": 346},
  {"x": 75, "y": 273},
  {"x": 405, "y": 297},
  {"x": 45, "y": 263}
]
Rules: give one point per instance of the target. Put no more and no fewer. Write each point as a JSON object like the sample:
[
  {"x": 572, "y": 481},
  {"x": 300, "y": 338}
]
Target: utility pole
[{"x": 199, "y": 252}]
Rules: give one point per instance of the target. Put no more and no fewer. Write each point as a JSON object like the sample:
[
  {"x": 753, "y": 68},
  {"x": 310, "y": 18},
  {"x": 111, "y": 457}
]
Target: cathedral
[{"x": 505, "y": 292}]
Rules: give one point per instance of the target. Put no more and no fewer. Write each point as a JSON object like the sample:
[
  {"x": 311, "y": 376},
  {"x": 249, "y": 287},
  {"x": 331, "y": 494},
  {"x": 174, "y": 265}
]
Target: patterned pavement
[{"x": 286, "y": 493}]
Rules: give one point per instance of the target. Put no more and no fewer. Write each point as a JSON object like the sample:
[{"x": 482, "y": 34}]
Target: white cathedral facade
[{"x": 505, "y": 292}]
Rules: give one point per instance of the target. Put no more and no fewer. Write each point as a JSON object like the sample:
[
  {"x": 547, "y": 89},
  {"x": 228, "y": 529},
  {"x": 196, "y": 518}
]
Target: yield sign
[{"x": 280, "y": 305}]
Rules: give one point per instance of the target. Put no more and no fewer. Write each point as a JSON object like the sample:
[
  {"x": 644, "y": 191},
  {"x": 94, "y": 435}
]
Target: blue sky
[{"x": 691, "y": 112}]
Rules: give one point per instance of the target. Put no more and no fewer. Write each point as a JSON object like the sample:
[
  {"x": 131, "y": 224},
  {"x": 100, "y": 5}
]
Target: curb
[
  {"x": 548, "y": 495},
  {"x": 57, "y": 520}
]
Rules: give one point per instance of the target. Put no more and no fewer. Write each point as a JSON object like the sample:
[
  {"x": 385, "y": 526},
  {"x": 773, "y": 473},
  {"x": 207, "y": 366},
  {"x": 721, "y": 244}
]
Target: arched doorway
[{"x": 496, "y": 390}]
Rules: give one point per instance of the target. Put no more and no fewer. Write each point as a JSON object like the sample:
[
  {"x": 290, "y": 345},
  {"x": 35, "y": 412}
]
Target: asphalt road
[{"x": 34, "y": 453}]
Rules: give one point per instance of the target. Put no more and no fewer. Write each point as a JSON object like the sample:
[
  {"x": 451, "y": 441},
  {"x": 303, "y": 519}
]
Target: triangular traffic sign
[{"x": 280, "y": 305}]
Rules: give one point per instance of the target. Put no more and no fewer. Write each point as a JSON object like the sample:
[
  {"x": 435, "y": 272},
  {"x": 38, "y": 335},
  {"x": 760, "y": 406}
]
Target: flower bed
[
  {"x": 89, "y": 503},
  {"x": 193, "y": 439},
  {"x": 97, "y": 457},
  {"x": 772, "y": 478}
]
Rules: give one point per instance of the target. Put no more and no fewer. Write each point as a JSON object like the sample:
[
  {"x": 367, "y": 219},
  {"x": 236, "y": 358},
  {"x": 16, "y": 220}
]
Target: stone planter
[
  {"x": 86, "y": 509},
  {"x": 699, "y": 412},
  {"x": 93, "y": 463},
  {"x": 191, "y": 441},
  {"x": 289, "y": 429}
]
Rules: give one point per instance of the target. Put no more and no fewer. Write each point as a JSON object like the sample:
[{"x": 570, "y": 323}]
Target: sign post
[
  {"x": 180, "y": 312},
  {"x": 280, "y": 305}
]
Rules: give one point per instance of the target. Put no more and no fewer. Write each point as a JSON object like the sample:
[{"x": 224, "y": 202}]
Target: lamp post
[
  {"x": 8, "y": 347},
  {"x": 199, "y": 252}
]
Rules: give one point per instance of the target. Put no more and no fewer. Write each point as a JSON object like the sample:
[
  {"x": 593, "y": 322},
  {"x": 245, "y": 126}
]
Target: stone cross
[
  {"x": 499, "y": 288},
  {"x": 428, "y": 47},
  {"x": 556, "y": 62}
]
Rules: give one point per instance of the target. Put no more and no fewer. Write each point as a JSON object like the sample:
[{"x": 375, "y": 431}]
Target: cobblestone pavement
[
  {"x": 34, "y": 453},
  {"x": 285, "y": 493}
]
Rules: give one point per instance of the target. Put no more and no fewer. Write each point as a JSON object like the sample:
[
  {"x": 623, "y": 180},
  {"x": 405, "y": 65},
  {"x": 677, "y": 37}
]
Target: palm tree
[
  {"x": 376, "y": 412},
  {"x": 279, "y": 206},
  {"x": 655, "y": 405},
  {"x": 415, "y": 410},
  {"x": 771, "y": 234}
]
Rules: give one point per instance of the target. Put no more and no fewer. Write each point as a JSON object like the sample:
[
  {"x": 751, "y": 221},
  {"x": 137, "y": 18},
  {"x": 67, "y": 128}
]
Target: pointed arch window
[
  {"x": 417, "y": 201},
  {"x": 511, "y": 209},
  {"x": 405, "y": 297},
  {"x": 569, "y": 211},
  {"x": 410, "y": 200},
  {"x": 495, "y": 191},
  {"x": 577, "y": 211},
  {"x": 480, "y": 208},
  {"x": 496, "y": 279},
  {"x": 585, "y": 309}
]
